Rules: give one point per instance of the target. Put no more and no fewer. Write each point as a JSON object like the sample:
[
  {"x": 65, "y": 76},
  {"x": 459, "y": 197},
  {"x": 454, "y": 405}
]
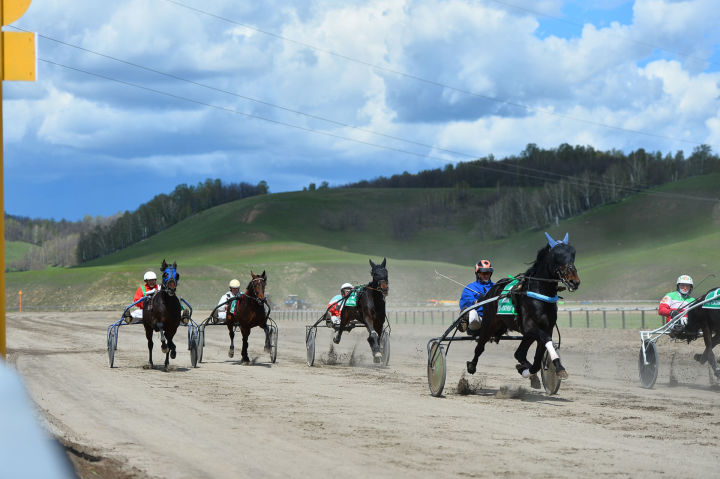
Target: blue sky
[{"x": 134, "y": 97}]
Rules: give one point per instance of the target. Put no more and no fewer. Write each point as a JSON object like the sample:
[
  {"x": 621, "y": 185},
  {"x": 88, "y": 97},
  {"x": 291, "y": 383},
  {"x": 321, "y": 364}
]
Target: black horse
[
  {"x": 248, "y": 311},
  {"x": 535, "y": 302},
  {"x": 370, "y": 308},
  {"x": 706, "y": 320},
  {"x": 163, "y": 313}
]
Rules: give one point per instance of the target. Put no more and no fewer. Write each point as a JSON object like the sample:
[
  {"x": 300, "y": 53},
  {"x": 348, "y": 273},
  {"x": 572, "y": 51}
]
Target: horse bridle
[
  {"x": 254, "y": 293},
  {"x": 167, "y": 277}
]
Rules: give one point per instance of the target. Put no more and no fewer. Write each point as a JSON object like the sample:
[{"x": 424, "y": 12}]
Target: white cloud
[{"x": 527, "y": 87}]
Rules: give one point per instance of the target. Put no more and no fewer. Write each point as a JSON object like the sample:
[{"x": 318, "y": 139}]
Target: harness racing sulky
[
  {"x": 363, "y": 307},
  {"x": 525, "y": 303},
  {"x": 162, "y": 313},
  {"x": 244, "y": 312},
  {"x": 697, "y": 319}
]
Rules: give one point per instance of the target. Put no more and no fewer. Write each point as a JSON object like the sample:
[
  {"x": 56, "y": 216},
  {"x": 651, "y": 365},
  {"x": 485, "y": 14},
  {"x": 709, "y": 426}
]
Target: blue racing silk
[{"x": 472, "y": 293}]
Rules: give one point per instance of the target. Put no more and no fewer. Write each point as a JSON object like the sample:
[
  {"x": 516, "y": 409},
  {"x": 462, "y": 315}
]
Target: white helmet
[
  {"x": 346, "y": 286},
  {"x": 684, "y": 279},
  {"x": 234, "y": 283},
  {"x": 149, "y": 275}
]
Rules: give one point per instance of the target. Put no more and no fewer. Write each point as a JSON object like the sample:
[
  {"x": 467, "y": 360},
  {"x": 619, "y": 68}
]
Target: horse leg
[
  {"x": 268, "y": 347},
  {"x": 702, "y": 358},
  {"x": 149, "y": 335},
  {"x": 231, "y": 351},
  {"x": 708, "y": 353},
  {"x": 523, "y": 366},
  {"x": 344, "y": 320},
  {"x": 546, "y": 339},
  {"x": 245, "y": 333},
  {"x": 163, "y": 342}
]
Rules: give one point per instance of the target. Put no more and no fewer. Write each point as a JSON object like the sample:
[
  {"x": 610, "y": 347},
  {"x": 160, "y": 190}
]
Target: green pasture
[
  {"x": 310, "y": 242},
  {"x": 15, "y": 250}
]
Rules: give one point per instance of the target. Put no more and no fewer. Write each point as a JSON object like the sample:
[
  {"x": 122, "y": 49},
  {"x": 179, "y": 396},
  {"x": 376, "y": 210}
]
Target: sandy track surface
[{"x": 224, "y": 419}]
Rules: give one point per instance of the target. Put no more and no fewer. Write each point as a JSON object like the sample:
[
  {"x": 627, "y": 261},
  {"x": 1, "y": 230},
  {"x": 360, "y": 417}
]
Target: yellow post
[
  {"x": 17, "y": 62},
  {"x": 20, "y": 296}
]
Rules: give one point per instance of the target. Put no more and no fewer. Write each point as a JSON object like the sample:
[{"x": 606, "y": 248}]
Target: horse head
[
  {"x": 256, "y": 286},
  {"x": 380, "y": 276},
  {"x": 562, "y": 257},
  {"x": 170, "y": 277}
]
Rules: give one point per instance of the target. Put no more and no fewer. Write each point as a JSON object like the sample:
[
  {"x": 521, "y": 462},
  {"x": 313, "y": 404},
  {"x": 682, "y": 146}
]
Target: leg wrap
[{"x": 551, "y": 351}]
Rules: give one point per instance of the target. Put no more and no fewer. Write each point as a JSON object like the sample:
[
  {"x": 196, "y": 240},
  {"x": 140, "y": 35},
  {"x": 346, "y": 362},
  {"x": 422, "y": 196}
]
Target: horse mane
[{"x": 542, "y": 252}]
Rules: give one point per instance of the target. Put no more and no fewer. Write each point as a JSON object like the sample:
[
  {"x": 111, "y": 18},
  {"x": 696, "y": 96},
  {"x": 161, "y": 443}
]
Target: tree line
[
  {"x": 540, "y": 186},
  {"x": 160, "y": 213}
]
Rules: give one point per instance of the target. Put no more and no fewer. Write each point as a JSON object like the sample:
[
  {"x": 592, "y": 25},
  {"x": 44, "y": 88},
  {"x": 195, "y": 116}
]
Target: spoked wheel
[
  {"x": 648, "y": 366},
  {"x": 112, "y": 345},
  {"x": 201, "y": 344},
  {"x": 550, "y": 380},
  {"x": 310, "y": 345},
  {"x": 194, "y": 340},
  {"x": 385, "y": 347},
  {"x": 273, "y": 343},
  {"x": 436, "y": 368}
]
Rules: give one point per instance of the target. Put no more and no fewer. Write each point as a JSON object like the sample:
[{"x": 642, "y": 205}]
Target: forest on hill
[
  {"x": 67, "y": 243},
  {"x": 533, "y": 190},
  {"x": 543, "y": 186}
]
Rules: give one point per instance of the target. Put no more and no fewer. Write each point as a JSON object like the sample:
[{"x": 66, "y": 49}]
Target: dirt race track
[{"x": 224, "y": 419}]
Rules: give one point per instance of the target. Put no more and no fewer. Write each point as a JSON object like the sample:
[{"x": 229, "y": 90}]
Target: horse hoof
[
  {"x": 471, "y": 367},
  {"x": 699, "y": 358},
  {"x": 231, "y": 353},
  {"x": 245, "y": 361},
  {"x": 164, "y": 349},
  {"x": 336, "y": 340},
  {"x": 377, "y": 359},
  {"x": 562, "y": 374},
  {"x": 268, "y": 349},
  {"x": 535, "y": 382},
  {"x": 173, "y": 354}
]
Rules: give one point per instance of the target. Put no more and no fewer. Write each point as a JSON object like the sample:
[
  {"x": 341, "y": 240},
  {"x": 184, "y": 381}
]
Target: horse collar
[{"x": 542, "y": 297}]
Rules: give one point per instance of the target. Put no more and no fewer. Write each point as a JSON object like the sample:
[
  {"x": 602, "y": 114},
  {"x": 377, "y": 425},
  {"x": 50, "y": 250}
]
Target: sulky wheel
[
  {"x": 436, "y": 368},
  {"x": 273, "y": 343},
  {"x": 194, "y": 341},
  {"x": 112, "y": 345},
  {"x": 201, "y": 343},
  {"x": 550, "y": 380},
  {"x": 310, "y": 345},
  {"x": 385, "y": 347},
  {"x": 648, "y": 366}
]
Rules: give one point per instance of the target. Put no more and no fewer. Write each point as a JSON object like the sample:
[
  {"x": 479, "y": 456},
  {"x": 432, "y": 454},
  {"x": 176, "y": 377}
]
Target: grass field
[{"x": 310, "y": 242}]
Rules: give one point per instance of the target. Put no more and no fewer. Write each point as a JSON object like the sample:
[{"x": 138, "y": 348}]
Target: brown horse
[
  {"x": 163, "y": 313},
  {"x": 370, "y": 308},
  {"x": 248, "y": 311}
]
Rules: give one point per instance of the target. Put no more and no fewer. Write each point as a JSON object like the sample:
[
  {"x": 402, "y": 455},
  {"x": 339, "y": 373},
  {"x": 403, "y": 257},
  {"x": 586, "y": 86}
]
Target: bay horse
[
  {"x": 370, "y": 308},
  {"x": 535, "y": 302},
  {"x": 163, "y": 313},
  {"x": 248, "y": 311},
  {"x": 706, "y": 320}
]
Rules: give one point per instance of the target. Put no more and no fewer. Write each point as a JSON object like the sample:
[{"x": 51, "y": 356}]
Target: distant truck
[{"x": 293, "y": 301}]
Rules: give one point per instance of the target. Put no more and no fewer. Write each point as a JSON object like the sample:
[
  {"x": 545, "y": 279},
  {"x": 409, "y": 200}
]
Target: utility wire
[
  {"x": 316, "y": 117},
  {"x": 433, "y": 82},
  {"x": 570, "y": 180}
]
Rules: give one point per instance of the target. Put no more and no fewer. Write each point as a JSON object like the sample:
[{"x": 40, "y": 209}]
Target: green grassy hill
[
  {"x": 16, "y": 250},
  {"x": 310, "y": 242}
]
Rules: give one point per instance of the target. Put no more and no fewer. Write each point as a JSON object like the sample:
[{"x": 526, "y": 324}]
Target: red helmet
[{"x": 483, "y": 266}]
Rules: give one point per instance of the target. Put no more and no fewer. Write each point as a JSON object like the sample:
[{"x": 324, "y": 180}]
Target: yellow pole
[
  {"x": 20, "y": 67},
  {"x": 2, "y": 205},
  {"x": 20, "y": 296}
]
